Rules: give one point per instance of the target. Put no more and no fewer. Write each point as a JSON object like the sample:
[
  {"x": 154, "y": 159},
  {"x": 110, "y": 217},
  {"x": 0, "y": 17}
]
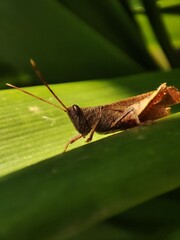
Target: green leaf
[
  {"x": 32, "y": 131},
  {"x": 155, "y": 219},
  {"x": 71, "y": 192},
  {"x": 160, "y": 30},
  {"x": 111, "y": 19},
  {"x": 59, "y": 41}
]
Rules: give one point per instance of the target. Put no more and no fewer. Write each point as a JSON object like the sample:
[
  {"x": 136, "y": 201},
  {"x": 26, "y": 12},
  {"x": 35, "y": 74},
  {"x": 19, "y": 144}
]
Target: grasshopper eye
[{"x": 76, "y": 109}]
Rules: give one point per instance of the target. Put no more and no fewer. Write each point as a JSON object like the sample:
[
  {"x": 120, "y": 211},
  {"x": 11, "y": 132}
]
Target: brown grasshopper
[{"x": 120, "y": 115}]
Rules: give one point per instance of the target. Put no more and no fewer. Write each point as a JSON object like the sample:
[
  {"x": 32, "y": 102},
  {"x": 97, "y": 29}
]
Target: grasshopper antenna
[
  {"x": 24, "y": 91},
  {"x": 40, "y": 76},
  {"x": 42, "y": 79}
]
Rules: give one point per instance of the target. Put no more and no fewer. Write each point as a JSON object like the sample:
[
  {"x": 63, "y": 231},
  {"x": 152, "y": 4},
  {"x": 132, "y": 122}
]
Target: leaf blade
[{"x": 127, "y": 182}]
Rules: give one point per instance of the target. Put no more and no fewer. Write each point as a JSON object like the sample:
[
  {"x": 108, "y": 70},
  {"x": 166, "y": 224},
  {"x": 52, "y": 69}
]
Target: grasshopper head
[{"x": 77, "y": 116}]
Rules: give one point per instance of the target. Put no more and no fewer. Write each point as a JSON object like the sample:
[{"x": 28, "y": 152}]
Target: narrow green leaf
[
  {"x": 32, "y": 131},
  {"x": 161, "y": 32}
]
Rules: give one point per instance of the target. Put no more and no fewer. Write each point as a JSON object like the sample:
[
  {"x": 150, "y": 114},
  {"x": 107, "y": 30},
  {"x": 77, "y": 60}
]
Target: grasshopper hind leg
[{"x": 127, "y": 120}]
